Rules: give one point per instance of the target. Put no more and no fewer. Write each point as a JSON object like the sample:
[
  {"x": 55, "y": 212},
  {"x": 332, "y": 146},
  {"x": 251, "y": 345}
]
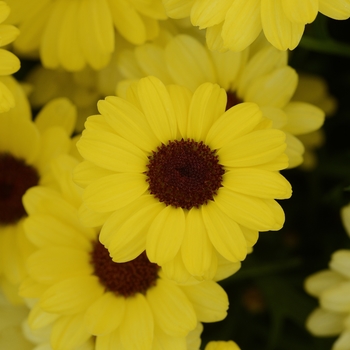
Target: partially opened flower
[
  {"x": 188, "y": 179},
  {"x": 86, "y": 297},
  {"x": 9, "y": 63},
  {"x": 259, "y": 74},
  {"x": 78, "y": 33},
  {"x": 235, "y": 24},
  {"x": 26, "y": 149}
]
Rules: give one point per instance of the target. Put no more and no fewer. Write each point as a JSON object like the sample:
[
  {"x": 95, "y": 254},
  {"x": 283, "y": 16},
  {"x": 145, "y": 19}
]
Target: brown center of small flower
[
  {"x": 184, "y": 174},
  {"x": 15, "y": 178},
  {"x": 127, "y": 279},
  {"x": 232, "y": 99}
]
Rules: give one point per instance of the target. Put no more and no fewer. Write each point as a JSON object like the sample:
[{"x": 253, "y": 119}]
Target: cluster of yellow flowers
[{"x": 117, "y": 222}]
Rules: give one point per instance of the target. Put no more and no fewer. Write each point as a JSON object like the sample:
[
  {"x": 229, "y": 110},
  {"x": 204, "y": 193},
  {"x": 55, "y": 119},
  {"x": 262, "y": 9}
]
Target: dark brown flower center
[
  {"x": 126, "y": 279},
  {"x": 232, "y": 99},
  {"x": 15, "y": 178},
  {"x": 184, "y": 174}
]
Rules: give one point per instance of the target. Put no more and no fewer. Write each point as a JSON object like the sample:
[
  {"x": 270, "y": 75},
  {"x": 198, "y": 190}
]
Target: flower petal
[
  {"x": 138, "y": 320},
  {"x": 128, "y": 121},
  {"x": 207, "y": 105},
  {"x": 196, "y": 249},
  {"x": 114, "y": 191},
  {"x": 257, "y": 182},
  {"x": 278, "y": 29},
  {"x": 165, "y": 235},
  {"x": 172, "y": 310},
  {"x": 105, "y": 314},
  {"x": 235, "y": 122},
  {"x": 224, "y": 233},
  {"x": 257, "y": 147},
  {"x": 111, "y": 152},
  {"x": 209, "y": 300},
  {"x": 158, "y": 108}
]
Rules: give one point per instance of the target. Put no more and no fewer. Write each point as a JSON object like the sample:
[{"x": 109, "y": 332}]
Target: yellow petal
[
  {"x": 165, "y": 235},
  {"x": 278, "y": 29},
  {"x": 70, "y": 53},
  {"x": 240, "y": 208},
  {"x": 257, "y": 182},
  {"x": 207, "y": 105},
  {"x": 208, "y": 13},
  {"x": 138, "y": 319},
  {"x": 224, "y": 233},
  {"x": 105, "y": 314},
  {"x": 114, "y": 191},
  {"x": 188, "y": 62},
  {"x": 183, "y": 98},
  {"x": 125, "y": 232},
  {"x": 58, "y": 112},
  {"x": 128, "y": 121},
  {"x": 209, "y": 300},
  {"x": 72, "y": 295},
  {"x": 158, "y": 108},
  {"x": 336, "y": 9},
  {"x": 257, "y": 147},
  {"x": 69, "y": 332},
  {"x": 112, "y": 152},
  {"x": 47, "y": 265},
  {"x": 196, "y": 249},
  {"x": 303, "y": 118},
  {"x": 235, "y": 122},
  {"x": 274, "y": 89},
  {"x": 9, "y": 63},
  {"x": 242, "y": 24},
  {"x": 172, "y": 310},
  {"x": 300, "y": 11}
]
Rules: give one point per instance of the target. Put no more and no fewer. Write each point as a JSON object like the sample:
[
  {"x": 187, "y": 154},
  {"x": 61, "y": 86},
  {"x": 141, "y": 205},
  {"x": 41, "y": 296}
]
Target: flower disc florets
[
  {"x": 126, "y": 279},
  {"x": 184, "y": 174},
  {"x": 15, "y": 178}
]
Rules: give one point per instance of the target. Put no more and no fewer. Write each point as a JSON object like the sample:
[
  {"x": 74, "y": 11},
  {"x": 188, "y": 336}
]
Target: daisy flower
[
  {"x": 235, "y": 24},
  {"x": 9, "y": 63},
  {"x": 73, "y": 34},
  {"x": 332, "y": 288},
  {"x": 26, "y": 149},
  {"x": 86, "y": 297},
  {"x": 259, "y": 74},
  {"x": 187, "y": 178}
]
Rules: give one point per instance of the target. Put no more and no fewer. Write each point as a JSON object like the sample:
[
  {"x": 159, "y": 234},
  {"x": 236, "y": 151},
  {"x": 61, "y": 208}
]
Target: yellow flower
[
  {"x": 235, "y": 24},
  {"x": 9, "y": 63},
  {"x": 222, "y": 345},
  {"x": 187, "y": 178},
  {"x": 26, "y": 150},
  {"x": 332, "y": 288},
  {"x": 84, "y": 296},
  {"x": 73, "y": 34},
  {"x": 259, "y": 74}
]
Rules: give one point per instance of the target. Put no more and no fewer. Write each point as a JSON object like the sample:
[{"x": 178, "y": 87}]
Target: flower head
[
  {"x": 85, "y": 296},
  {"x": 235, "y": 24},
  {"x": 26, "y": 150},
  {"x": 259, "y": 74},
  {"x": 79, "y": 33},
  {"x": 187, "y": 178}
]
